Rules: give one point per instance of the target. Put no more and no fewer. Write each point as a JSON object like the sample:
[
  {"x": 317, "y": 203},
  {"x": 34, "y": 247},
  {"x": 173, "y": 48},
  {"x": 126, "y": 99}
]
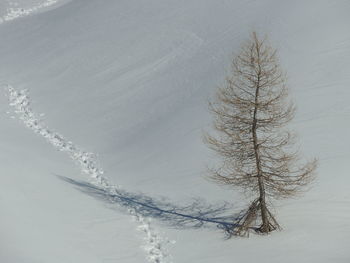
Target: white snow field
[
  {"x": 13, "y": 9},
  {"x": 88, "y": 165},
  {"x": 129, "y": 81}
]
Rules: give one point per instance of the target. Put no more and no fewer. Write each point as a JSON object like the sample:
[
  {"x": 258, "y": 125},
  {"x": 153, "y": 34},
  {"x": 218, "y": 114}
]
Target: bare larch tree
[{"x": 257, "y": 153}]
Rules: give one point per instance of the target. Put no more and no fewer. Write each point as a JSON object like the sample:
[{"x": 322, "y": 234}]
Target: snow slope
[
  {"x": 129, "y": 81},
  {"x": 13, "y": 9},
  {"x": 89, "y": 166}
]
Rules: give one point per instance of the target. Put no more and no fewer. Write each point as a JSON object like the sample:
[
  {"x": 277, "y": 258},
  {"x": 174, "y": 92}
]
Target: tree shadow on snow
[{"x": 196, "y": 214}]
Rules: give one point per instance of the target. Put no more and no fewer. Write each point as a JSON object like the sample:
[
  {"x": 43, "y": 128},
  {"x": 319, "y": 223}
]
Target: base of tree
[{"x": 251, "y": 218}]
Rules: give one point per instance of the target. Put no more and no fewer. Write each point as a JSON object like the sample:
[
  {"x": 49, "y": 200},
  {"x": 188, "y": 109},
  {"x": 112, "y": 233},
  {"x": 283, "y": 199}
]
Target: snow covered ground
[
  {"x": 89, "y": 166},
  {"x": 129, "y": 81},
  {"x": 12, "y": 9}
]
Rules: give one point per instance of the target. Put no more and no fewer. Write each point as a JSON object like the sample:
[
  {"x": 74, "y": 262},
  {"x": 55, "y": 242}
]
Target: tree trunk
[{"x": 265, "y": 226}]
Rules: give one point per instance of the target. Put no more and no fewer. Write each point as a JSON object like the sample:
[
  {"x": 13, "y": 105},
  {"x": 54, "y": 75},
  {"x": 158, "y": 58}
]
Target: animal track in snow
[
  {"x": 20, "y": 101},
  {"x": 15, "y": 11}
]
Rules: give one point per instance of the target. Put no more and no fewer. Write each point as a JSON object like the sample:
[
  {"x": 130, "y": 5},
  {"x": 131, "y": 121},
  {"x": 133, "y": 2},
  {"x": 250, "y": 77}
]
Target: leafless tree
[{"x": 257, "y": 153}]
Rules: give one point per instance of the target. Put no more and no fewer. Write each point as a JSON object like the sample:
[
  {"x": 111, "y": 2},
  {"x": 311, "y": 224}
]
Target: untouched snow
[{"x": 130, "y": 80}]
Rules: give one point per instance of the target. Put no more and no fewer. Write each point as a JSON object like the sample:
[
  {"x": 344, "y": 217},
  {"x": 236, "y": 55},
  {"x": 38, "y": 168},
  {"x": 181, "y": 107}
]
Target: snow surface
[
  {"x": 88, "y": 165},
  {"x": 129, "y": 81},
  {"x": 10, "y": 10}
]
